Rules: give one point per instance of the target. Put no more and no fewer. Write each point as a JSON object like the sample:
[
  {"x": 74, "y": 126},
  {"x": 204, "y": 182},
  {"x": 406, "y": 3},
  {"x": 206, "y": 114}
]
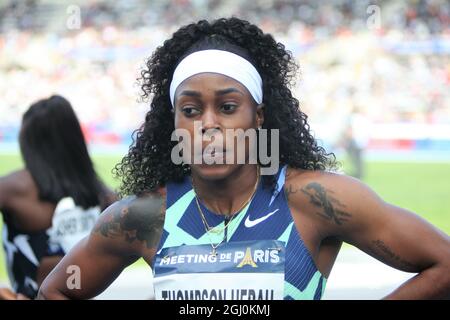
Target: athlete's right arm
[{"x": 127, "y": 230}]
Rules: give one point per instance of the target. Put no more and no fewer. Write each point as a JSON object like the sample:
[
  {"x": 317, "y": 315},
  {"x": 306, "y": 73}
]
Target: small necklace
[{"x": 209, "y": 229}]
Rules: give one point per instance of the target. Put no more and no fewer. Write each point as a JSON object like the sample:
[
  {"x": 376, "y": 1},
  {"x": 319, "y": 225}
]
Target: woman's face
[{"x": 206, "y": 105}]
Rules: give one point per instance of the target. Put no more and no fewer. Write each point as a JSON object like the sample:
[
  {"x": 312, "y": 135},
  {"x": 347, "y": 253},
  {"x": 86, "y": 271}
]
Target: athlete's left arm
[
  {"x": 3, "y": 191},
  {"x": 398, "y": 237}
]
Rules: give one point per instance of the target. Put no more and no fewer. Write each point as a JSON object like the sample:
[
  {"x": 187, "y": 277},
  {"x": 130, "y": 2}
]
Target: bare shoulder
[
  {"x": 305, "y": 181},
  {"x": 17, "y": 181},
  {"x": 333, "y": 199},
  {"x": 15, "y": 184},
  {"x": 135, "y": 221}
]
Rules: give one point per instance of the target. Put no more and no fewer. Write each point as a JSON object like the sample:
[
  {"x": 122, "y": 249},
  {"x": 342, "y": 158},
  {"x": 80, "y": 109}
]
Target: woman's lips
[
  {"x": 212, "y": 154},
  {"x": 211, "y": 149}
]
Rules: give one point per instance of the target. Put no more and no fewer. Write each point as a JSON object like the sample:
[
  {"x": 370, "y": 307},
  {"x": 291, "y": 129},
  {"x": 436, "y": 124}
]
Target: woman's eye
[
  {"x": 228, "y": 107},
  {"x": 190, "y": 111}
]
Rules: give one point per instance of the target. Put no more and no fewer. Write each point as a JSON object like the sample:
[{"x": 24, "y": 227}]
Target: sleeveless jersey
[
  {"x": 24, "y": 251},
  {"x": 261, "y": 254}
]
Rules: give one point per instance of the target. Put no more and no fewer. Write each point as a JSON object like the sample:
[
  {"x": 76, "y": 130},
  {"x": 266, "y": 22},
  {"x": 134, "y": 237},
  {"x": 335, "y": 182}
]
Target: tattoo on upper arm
[
  {"x": 330, "y": 208},
  {"x": 141, "y": 219},
  {"x": 381, "y": 248},
  {"x": 289, "y": 191}
]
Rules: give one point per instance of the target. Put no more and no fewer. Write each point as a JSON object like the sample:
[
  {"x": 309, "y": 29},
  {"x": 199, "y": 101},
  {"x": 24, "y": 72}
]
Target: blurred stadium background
[{"x": 374, "y": 77}]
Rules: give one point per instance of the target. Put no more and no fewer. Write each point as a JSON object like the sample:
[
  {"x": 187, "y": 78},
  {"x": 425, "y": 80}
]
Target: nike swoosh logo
[{"x": 251, "y": 223}]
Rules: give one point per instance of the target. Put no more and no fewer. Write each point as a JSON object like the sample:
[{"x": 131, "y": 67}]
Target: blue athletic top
[{"x": 264, "y": 223}]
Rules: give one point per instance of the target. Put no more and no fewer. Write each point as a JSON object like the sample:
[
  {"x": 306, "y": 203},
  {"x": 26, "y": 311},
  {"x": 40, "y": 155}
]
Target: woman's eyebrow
[
  {"x": 228, "y": 90},
  {"x": 190, "y": 93}
]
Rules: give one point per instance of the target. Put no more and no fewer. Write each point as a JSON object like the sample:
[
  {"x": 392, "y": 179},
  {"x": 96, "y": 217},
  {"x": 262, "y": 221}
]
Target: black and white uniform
[{"x": 24, "y": 251}]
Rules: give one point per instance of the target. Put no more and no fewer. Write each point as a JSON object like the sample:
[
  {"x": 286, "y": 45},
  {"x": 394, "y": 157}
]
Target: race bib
[{"x": 245, "y": 270}]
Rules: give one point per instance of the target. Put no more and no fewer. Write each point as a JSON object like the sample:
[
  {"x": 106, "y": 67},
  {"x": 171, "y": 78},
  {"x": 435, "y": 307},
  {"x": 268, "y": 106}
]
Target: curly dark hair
[{"x": 148, "y": 165}]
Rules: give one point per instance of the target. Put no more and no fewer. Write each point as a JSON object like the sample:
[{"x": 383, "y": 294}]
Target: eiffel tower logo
[{"x": 247, "y": 260}]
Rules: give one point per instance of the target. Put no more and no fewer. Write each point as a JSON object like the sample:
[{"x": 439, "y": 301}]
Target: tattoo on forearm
[
  {"x": 382, "y": 249},
  {"x": 330, "y": 208},
  {"x": 140, "y": 219}
]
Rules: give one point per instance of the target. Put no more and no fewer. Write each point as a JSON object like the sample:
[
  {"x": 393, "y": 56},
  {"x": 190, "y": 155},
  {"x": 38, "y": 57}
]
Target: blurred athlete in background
[{"x": 54, "y": 201}]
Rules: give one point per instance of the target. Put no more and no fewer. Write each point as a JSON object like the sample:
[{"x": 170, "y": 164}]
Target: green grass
[{"x": 423, "y": 188}]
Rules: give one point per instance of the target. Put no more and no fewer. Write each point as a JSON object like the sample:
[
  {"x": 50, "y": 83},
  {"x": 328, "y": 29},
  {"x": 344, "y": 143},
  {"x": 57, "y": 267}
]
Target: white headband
[{"x": 218, "y": 61}]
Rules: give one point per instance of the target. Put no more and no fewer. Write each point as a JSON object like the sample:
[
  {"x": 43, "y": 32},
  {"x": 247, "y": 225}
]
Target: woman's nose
[{"x": 209, "y": 121}]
